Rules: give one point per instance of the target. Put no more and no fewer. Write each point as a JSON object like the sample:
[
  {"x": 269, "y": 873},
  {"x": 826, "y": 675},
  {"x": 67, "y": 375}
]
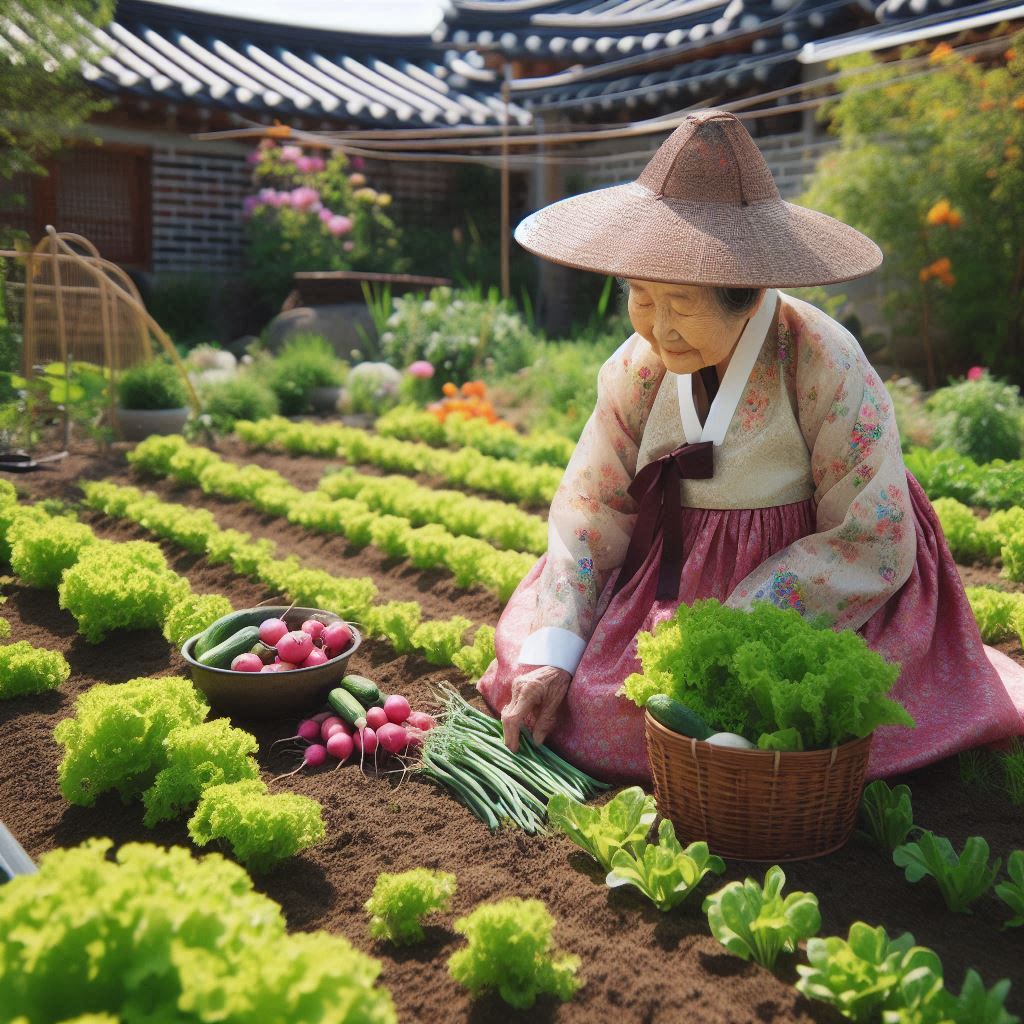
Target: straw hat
[{"x": 705, "y": 210}]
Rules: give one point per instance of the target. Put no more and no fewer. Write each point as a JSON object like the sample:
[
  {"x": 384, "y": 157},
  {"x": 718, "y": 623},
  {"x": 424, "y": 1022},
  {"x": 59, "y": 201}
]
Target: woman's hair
[{"x": 734, "y": 302}]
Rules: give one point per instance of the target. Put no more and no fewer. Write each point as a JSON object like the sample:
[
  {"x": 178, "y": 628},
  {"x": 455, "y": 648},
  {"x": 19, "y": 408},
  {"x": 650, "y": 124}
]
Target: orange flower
[
  {"x": 1011, "y": 54},
  {"x": 942, "y": 265},
  {"x": 1012, "y": 152},
  {"x": 923, "y": 274},
  {"x": 938, "y": 213},
  {"x": 449, "y": 389},
  {"x": 953, "y": 220},
  {"x": 948, "y": 280},
  {"x": 1018, "y": 103},
  {"x": 940, "y": 51}
]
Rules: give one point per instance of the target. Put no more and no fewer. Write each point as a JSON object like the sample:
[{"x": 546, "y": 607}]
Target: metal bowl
[{"x": 272, "y": 694}]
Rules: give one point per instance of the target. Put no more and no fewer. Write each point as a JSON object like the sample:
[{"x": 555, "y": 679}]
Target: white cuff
[{"x": 553, "y": 646}]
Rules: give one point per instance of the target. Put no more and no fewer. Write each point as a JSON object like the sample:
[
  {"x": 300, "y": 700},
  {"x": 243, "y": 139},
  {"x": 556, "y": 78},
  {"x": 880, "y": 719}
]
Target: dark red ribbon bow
[{"x": 656, "y": 489}]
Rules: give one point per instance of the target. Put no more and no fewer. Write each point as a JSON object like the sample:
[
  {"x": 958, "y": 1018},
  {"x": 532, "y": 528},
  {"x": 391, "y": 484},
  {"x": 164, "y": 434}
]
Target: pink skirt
[{"x": 960, "y": 692}]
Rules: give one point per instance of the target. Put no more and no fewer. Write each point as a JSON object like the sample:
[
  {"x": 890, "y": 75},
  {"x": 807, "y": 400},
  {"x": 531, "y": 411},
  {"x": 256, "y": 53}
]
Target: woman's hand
[{"x": 536, "y": 696}]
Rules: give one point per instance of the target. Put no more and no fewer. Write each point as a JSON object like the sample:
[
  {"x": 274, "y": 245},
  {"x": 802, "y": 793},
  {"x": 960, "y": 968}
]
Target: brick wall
[{"x": 197, "y": 204}]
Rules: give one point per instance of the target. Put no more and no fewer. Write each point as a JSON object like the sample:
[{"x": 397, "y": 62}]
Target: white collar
[{"x": 737, "y": 374}]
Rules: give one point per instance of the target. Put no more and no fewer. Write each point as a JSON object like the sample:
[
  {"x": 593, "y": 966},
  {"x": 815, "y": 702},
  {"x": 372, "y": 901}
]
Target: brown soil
[{"x": 639, "y": 965}]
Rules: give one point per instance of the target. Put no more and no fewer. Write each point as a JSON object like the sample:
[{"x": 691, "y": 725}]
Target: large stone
[{"x": 337, "y": 323}]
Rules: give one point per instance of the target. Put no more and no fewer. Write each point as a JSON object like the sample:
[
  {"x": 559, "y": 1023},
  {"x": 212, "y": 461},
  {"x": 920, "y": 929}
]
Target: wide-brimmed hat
[{"x": 705, "y": 210}]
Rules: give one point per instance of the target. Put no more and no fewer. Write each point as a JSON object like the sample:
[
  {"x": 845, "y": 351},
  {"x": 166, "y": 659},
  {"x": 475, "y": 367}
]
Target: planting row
[
  {"x": 972, "y": 539},
  {"x": 440, "y": 641},
  {"x": 944, "y": 473},
  {"x": 541, "y": 448},
  {"x": 470, "y": 561},
  {"x": 531, "y": 485}
]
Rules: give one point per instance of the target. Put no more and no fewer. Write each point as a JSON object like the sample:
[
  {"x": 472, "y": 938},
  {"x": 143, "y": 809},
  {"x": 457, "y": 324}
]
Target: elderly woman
[{"x": 742, "y": 448}]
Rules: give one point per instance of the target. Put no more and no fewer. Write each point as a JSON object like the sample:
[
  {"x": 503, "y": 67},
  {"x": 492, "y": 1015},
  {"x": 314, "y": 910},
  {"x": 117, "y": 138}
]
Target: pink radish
[
  {"x": 314, "y": 756},
  {"x": 331, "y": 726},
  {"x": 308, "y": 730},
  {"x": 322, "y": 717},
  {"x": 376, "y": 717},
  {"x": 295, "y": 646},
  {"x": 247, "y": 663},
  {"x": 336, "y": 637},
  {"x": 314, "y": 627},
  {"x": 271, "y": 668},
  {"x": 365, "y": 740},
  {"x": 414, "y": 736},
  {"x": 271, "y": 630},
  {"x": 340, "y": 745},
  {"x": 396, "y": 707},
  {"x": 392, "y": 738},
  {"x": 420, "y": 719},
  {"x": 315, "y": 657}
]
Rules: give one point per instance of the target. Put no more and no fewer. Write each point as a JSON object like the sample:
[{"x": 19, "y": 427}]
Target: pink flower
[
  {"x": 339, "y": 225},
  {"x": 253, "y": 157},
  {"x": 278, "y": 199},
  {"x": 976, "y": 373},
  {"x": 249, "y": 204},
  {"x": 422, "y": 369},
  {"x": 348, "y": 246},
  {"x": 304, "y": 197},
  {"x": 303, "y": 164},
  {"x": 358, "y": 163},
  {"x": 317, "y": 163},
  {"x": 291, "y": 153},
  {"x": 324, "y": 214},
  {"x": 266, "y": 195}
]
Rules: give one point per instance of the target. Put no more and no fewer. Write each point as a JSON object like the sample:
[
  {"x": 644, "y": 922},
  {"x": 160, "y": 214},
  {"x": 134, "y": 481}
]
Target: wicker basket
[{"x": 757, "y": 804}]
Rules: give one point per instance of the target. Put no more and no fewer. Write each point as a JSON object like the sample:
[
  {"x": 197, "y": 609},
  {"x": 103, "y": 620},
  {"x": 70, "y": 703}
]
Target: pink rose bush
[{"x": 976, "y": 373}]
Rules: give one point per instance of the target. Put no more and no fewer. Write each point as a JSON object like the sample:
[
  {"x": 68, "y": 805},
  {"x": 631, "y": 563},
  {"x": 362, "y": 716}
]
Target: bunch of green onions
[{"x": 466, "y": 754}]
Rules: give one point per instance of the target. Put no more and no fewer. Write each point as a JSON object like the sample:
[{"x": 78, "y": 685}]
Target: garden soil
[{"x": 638, "y": 965}]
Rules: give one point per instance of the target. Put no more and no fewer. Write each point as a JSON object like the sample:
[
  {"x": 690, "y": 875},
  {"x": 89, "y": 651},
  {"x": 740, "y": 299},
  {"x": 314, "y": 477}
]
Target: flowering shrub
[
  {"x": 310, "y": 213},
  {"x": 980, "y": 418},
  {"x": 467, "y": 402}
]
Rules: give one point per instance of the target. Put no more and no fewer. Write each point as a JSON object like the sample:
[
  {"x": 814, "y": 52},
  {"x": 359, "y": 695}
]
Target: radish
[
  {"x": 322, "y": 717},
  {"x": 393, "y": 738},
  {"x": 295, "y": 646},
  {"x": 340, "y": 745},
  {"x": 285, "y": 666},
  {"x": 420, "y": 720},
  {"x": 365, "y": 740},
  {"x": 336, "y": 637},
  {"x": 314, "y": 756},
  {"x": 414, "y": 736},
  {"x": 315, "y": 657},
  {"x": 247, "y": 663},
  {"x": 332, "y": 725},
  {"x": 397, "y": 709},
  {"x": 271, "y": 630},
  {"x": 314, "y": 627},
  {"x": 271, "y": 668},
  {"x": 376, "y": 717},
  {"x": 308, "y": 730}
]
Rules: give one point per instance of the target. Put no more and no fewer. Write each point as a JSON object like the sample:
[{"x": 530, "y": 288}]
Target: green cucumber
[
  {"x": 364, "y": 690},
  {"x": 227, "y": 626},
  {"x": 224, "y": 653},
  {"x": 677, "y": 717},
  {"x": 347, "y": 706}
]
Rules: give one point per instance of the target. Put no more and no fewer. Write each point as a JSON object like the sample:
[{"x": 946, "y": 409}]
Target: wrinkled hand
[{"x": 536, "y": 696}]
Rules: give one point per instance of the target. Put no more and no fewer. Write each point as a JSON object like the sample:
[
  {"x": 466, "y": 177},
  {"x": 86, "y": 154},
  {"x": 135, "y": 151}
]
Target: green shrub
[
  {"x": 306, "y": 361},
  {"x": 244, "y": 397},
  {"x": 979, "y": 418},
  {"x": 915, "y": 424},
  {"x": 155, "y": 384}
]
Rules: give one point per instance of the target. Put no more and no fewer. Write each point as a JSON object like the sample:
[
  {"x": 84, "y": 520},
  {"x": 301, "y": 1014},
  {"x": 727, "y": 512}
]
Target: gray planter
[
  {"x": 325, "y": 400},
  {"x": 138, "y": 424}
]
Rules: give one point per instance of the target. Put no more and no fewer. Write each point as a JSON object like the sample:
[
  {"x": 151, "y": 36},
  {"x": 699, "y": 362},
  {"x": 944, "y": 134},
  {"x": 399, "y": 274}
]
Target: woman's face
[{"x": 683, "y": 324}]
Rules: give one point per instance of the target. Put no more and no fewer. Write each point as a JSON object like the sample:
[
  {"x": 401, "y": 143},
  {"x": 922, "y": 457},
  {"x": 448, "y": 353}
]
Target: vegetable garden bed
[{"x": 637, "y": 963}]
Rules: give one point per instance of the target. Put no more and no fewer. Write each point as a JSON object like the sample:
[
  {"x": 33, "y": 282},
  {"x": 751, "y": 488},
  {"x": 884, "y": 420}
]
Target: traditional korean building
[{"x": 160, "y": 203}]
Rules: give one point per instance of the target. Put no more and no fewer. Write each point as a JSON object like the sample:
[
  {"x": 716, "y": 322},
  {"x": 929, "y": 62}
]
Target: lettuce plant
[
  {"x": 198, "y": 756},
  {"x": 510, "y": 950},
  {"x": 262, "y": 829},
  {"x": 440, "y": 639},
  {"x": 755, "y": 922},
  {"x": 192, "y": 615},
  {"x": 400, "y": 902},
  {"x": 623, "y": 822},
  {"x": 666, "y": 874},
  {"x": 158, "y": 934},
  {"x": 396, "y": 621},
  {"x": 116, "y": 739},
  {"x": 994, "y": 611},
  {"x": 41, "y": 549},
  {"x": 474, "y": 658},
  {"x": 25, "y": 669},
  {"x": 887, "y": 814},
  {"x": 961, "y": 879},
  {"x": 1012, "y": 892}
]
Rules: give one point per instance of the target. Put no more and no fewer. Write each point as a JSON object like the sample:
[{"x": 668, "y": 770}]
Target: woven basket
[{"x": 757, "y": 804}]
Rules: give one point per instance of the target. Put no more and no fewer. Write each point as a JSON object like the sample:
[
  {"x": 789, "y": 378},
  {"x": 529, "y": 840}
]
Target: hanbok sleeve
[
  {"x": 592, "y": 515},
  {"x": 865, "y": 544}
]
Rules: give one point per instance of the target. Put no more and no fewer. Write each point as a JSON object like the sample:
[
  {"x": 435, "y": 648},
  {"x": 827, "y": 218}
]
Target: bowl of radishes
[{"x": 264, "y": 662}]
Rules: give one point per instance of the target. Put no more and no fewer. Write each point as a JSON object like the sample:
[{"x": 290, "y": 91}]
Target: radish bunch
[{"x": 315, "y": 643}]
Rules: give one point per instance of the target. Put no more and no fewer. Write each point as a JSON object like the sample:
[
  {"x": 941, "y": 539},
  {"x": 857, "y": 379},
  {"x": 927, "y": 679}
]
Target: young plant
[
  {"x": 755, "y": 922},
  {"x": 474, "y": 658},
  {"x": 887, "y": 814},
  {"x": 396, "y": 621},
  {"x": 439, "y": 640},
  {"x": 666, "y": 874},
  {"x": 1012, "y": 763},
  {"x": 41, "y": 549},
  {"x": 976, "y": 1004},
  {"x": 193, "y": 615},
  {"x": 623, "y": 821},
  {"x": 510, "y": 949},
  {"x": 25, "y": 669},
  {"x": 401, "y": 901},
  {"x": 262, "y": 829},
  {"x": 961, "y": 879},
  {"x": 1012, "y": 892}
]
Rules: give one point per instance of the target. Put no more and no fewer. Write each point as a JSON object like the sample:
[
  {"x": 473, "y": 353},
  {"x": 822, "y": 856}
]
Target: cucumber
[
  {"x": 224, "y": 653},
  {"x": 364, "y": 690},
  {"x": 225, "y": 627},
  {"x": 346, "y": 706},
  {"x": 677, "y": 717}
]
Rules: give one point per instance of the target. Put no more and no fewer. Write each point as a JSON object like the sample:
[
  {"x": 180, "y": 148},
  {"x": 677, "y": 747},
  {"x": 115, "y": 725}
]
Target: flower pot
[
  {"x": 325, "y": 400},
  {"x": 138, "y": 424}
]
